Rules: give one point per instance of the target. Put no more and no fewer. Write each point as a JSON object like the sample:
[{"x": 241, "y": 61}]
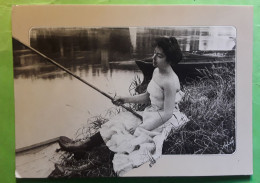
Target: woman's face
[{"x": 159, "y": 58}]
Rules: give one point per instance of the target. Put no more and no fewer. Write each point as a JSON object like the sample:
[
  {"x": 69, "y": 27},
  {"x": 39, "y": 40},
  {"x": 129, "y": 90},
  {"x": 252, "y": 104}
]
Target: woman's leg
[{"x": 69, "y": 145}]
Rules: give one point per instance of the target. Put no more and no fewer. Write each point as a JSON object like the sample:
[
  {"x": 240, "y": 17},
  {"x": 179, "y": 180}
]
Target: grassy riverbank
[{"x": 209, "y": 103}]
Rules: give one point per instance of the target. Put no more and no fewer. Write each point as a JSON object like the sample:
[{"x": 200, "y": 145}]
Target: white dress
[{"x": 133, "y": 150}]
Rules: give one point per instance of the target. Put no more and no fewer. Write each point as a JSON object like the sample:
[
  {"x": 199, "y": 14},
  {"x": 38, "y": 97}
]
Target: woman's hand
[
  {"x": 152, "y": 120},
  {"x": 147, "y": 117},
  {"x": 131, "y": 131},
  {"x": 118, "y": 100},
  {"x": 147, "y": 121}
]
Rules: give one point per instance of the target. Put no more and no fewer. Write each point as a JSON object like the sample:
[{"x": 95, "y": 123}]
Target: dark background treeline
[{"x": 104, "y": 45}]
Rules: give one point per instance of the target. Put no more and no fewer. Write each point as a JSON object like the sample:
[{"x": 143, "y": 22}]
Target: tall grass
[
  {"x": 209, "y": 103},
  {"x": 136, "y": 87},
  {"x": 94, "y": 123}
]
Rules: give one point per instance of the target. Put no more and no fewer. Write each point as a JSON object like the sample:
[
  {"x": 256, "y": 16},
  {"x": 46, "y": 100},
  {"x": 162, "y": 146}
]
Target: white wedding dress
[{"x": 133, "y": 150}]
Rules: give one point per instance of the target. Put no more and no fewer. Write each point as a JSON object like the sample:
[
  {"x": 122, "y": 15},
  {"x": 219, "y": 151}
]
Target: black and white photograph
[
  {"x": 132, "y": 91},
  {"x": 102, "y": 101}
]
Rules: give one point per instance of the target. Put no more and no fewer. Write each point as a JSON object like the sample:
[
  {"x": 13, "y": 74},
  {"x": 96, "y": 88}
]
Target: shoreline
[{"x": 37, "y": 163}]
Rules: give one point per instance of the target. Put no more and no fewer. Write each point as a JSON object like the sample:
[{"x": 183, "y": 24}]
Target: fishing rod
[{"x": 77, "y": 77}]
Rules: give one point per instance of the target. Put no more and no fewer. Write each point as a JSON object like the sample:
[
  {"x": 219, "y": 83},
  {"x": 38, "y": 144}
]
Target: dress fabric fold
[{"x": 133, "y": 150}]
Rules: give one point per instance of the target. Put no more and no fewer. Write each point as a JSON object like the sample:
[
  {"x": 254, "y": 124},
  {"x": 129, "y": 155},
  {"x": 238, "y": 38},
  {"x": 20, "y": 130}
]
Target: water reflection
[
  {"x": 79, "y": 47},
  {"x": 49, "y": 99},
  {"x": 103, "y": 45},
  {"x": 39, "y": 68}
]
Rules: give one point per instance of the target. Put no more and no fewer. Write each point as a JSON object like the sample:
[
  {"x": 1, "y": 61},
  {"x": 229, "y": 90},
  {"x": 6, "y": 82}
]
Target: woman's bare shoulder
[
  {"x": 155, "y": 72},
  {"x": 176, "y": 82},
  {"x": 171, "y": 81}
]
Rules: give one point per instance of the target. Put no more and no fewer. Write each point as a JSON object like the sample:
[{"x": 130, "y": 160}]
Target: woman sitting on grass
[{"x": 134, "y": 141}]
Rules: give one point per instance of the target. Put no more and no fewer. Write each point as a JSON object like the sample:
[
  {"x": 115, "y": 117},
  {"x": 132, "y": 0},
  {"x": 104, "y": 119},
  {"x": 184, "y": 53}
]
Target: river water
[{"x": 52, "y": 104}]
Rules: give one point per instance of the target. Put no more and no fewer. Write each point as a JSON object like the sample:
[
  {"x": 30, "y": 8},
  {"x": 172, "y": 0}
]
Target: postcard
[{"x": 132, "y": 91}]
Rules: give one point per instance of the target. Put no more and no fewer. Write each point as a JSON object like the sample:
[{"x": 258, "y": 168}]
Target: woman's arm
[
  {"x": 152, "y": 120},
  {"x": 140, "y": 99}
]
